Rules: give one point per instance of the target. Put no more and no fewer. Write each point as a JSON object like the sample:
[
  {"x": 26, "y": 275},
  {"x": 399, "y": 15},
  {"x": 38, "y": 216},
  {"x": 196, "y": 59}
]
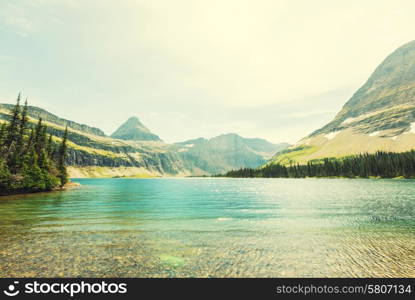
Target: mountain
[
  {"x": 36, "y": 112},
  {"x": 93, "y": 154},
  {"x": 379, "y": 116},
  {"x": 134, "y": 130},
  {"x": 227, "y": 152}
]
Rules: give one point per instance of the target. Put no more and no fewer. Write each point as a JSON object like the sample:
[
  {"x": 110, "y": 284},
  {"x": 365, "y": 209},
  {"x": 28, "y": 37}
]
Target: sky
[{"x": 196, "y": 68}]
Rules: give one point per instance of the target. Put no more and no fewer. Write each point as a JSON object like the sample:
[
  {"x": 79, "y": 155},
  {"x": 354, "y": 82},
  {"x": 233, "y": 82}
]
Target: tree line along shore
[
  {"x": 30, "y": 159},
  {"x": 379, "y": 165}
]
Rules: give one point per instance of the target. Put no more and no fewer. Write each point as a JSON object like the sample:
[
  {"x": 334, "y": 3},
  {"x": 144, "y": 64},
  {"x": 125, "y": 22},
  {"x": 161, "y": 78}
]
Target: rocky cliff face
[{"x": 379, "y": 116}]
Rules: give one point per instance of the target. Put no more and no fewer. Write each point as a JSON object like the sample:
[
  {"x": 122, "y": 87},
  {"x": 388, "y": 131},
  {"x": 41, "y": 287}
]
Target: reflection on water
[{"x": 212, "y": 227}]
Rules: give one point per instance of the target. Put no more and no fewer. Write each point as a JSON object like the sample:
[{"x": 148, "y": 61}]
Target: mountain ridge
[
  {"x": 37, "y": 112},
  {"x": 228, "y": 151},
  {"x": 379, "y": 116},
  {"x": 392, "y": 81}
]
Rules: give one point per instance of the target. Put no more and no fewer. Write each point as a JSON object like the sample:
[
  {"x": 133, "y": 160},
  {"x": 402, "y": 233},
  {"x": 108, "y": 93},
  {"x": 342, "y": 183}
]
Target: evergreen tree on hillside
[
  {"x": 38, "y": 137},
  {"x": 63, "y": 175},
  {"x": 27, "y": 161},
  {"x": 50, "y": 147},
  {"x": 3, "y": 134},
  {"x": 22, "y": 126},
  {"x": 31, "y": 139},
  {"x": 13, "y": 127}
]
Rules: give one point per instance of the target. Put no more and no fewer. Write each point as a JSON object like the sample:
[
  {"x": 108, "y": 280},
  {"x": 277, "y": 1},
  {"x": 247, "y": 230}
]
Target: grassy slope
[{"x": 345, "y": 143}]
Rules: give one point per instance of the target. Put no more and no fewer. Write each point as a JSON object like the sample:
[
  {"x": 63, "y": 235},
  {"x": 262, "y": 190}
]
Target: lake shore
[{"x": 68, "y": 185}]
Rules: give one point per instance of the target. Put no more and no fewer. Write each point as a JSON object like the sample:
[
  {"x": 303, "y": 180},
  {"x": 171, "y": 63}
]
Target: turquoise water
[{"x": 212, "y": 228}]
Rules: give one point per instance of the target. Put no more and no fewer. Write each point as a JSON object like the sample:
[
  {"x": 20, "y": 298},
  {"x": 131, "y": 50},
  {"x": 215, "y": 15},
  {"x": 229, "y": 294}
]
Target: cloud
[
  {"x": 15, "y": 16},
  {"x": 7, "y": 58}
]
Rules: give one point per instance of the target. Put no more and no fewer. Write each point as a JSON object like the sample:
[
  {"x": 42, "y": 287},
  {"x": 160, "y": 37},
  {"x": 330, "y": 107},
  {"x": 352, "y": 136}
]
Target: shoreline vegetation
[
  {"x": 30, "y": 160},
  {"x": 67, "y": 186},
  {"x": 377, "y": 165}
]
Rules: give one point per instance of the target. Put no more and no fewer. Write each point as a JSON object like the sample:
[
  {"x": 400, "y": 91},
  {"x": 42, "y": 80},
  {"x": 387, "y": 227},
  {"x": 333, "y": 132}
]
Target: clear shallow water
[{"x": 212, "y": 227}]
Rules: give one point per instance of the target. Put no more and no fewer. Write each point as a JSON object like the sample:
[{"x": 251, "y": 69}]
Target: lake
[{"x": 212, "y": 227}]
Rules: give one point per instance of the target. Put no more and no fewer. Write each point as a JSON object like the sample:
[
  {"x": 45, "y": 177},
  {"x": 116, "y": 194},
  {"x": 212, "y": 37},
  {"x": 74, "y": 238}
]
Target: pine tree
[
  {"x": 5, "y": 176},
  {"x": 13, "y": 128},
  {"x": 37, "y": 140},
  {"x": 30, "y": 141},
  {"x": 63, "y": 175},
  {"x": 26, "y": 162},
  {"x": 3, "y": 132},
  {"x": 49, "y": 148},
  {"x": 22, "y": 126}
]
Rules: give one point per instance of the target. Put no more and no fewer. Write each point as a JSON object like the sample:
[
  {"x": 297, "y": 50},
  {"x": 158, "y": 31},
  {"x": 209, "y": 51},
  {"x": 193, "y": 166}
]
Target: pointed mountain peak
[
  {"x": 134, "y": 130},
  {"x": 133, "y": 120}
]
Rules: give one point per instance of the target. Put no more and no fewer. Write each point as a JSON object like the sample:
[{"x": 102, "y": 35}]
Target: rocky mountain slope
[
  {"x": 138, "y": 152},
  {"x": 134, "y": 130},
  {"x": 227, "y": 152},
  {"x": 379, "y": 116}
]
